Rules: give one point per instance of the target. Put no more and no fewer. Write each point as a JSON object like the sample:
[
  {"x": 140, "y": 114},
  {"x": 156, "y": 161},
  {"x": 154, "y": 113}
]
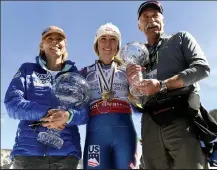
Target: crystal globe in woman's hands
[{"x": 71, "y": 89}]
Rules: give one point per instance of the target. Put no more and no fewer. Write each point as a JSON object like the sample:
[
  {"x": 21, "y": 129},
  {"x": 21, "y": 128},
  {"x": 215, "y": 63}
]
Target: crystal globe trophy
[
  {"x": 135, "y": 53},
  {"x": 72, "y": 91}
]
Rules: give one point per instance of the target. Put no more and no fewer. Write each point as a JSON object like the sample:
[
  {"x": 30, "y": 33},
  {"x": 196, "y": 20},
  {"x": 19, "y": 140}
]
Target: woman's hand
[
  {"x": 132, "y": 71},
  {"x": 56, "y": 119}
]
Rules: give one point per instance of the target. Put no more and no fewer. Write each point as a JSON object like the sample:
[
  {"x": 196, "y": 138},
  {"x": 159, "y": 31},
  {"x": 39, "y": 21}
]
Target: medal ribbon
[{"x": 102, "y": 81}]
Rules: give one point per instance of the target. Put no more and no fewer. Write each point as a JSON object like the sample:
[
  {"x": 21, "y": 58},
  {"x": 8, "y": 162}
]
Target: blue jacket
[{"x": 28, "y": 98}]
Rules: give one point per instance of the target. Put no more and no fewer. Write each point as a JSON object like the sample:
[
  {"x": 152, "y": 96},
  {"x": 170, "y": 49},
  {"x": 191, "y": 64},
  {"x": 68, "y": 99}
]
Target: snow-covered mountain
[{"x": 5, "y": 160}]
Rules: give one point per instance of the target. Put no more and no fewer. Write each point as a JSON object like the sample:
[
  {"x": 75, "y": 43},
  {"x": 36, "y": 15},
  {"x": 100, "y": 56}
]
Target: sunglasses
[
  {"x": 36, "y": 124},
  {"x": 45, "y": 30}
]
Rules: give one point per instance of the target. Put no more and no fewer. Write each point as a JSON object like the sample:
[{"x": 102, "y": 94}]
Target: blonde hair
[
  {"x": 42, "y": 53},
  {"x": 113, "y": 30},
  {"x": 116, "y": 56},
  {"x": 118, "y": 60}
]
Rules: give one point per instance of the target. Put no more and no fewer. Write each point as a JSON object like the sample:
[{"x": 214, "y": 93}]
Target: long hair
[
  {"x": 42, "y": 54},
  {"x": 116, "y": 56}
]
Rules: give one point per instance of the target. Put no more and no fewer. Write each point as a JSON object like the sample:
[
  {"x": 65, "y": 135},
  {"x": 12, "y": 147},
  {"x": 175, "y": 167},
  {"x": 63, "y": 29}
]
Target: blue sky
[{"x": 23, "y": 22}]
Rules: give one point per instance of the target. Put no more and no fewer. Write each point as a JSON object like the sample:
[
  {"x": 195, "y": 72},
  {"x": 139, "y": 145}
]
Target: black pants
[
  {"x": 172, "y": 146},
  {"x": 47, "y": 162}
]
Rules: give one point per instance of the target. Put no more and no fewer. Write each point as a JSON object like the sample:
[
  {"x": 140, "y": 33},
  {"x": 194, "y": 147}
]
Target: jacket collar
[{"x": 68, "y": 65}]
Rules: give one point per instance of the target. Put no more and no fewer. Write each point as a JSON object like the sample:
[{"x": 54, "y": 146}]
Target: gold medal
[
  {"x": 105, "y": 96},
  {"x": 111, "y": 95},
  {"x": 108, "y": 96},
  {"x": 105, "y": 83}
]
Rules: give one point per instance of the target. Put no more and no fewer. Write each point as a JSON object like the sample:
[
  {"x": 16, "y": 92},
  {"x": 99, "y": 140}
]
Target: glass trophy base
[
  {"x": 135, "y": 92},
  {"x": 50, "y": 139}
]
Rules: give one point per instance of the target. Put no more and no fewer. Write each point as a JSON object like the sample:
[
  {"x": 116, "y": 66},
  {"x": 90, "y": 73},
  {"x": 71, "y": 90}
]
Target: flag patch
[{"x": 93, "y": 155}]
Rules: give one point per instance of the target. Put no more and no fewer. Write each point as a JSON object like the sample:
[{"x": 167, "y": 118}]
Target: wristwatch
[{"x": 163, "y": 86}]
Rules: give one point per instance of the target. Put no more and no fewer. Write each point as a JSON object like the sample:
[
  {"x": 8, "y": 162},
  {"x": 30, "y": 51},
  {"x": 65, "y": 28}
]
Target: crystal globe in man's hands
[{"x": 135, "y": 53}]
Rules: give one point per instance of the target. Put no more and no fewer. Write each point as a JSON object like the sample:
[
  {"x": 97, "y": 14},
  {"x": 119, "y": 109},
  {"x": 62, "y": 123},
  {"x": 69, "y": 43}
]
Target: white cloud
[{"x": 2, "y": 120}]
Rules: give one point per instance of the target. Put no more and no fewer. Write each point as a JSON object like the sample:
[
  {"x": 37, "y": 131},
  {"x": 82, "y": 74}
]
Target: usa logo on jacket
[{"x": 93, "y": 155}]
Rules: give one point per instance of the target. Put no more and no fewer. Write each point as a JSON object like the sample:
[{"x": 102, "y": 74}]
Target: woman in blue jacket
[{"x": 29, "y": 99}]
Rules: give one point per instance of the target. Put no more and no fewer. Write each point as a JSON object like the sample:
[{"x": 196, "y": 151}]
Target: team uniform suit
[{"x": 111, "y": 138}]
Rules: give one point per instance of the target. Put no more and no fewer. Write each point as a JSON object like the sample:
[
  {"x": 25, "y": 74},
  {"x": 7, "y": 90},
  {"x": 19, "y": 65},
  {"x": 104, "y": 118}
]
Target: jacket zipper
[
  {"x": 52, "y": 82},
  {"x": 45, "y": 147},
  {"x": 45, "y": 150}
]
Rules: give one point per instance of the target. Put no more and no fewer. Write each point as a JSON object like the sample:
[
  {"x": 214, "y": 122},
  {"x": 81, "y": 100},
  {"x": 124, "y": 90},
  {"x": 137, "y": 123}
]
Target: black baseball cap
[{"x": 150, "y": 4}]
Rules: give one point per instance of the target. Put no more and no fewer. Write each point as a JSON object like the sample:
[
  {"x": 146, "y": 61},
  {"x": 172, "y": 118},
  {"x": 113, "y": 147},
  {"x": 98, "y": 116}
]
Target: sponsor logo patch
[
  {"x": 93, "y": 155},
  {"x": 41, "y": 79},
  {"x": 18, "y": 74}
]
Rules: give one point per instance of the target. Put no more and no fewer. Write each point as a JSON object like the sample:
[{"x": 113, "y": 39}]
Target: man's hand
[
  {"x": 56, "y": 119},
  {"x": 148, "y": 86},
  {"x": 132, "y": 71}
]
